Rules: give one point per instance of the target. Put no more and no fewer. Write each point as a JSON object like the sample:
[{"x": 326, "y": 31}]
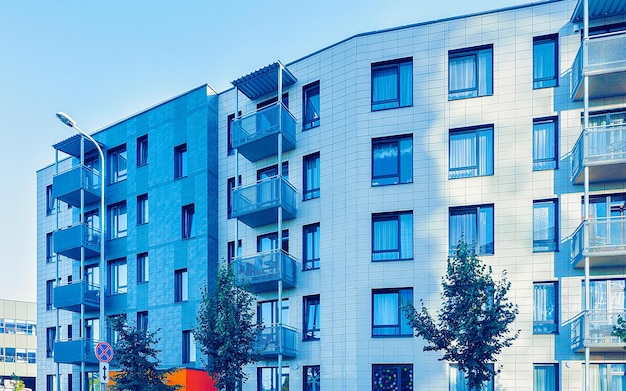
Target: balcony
[
  {"x": 268, "y": 345},
  {"x": 70, "y": 297},
  {"x": 66, "y": 186},
  {"x": 607, "y": 242},
  {"x": 69, "y": 241},
  {"x": 601, "y": 324},
  {"x": 262, "y": 271},
  {"x": 256, "y": 135},
  {"x": 75, "y": 351},
  {"x": 256, "y": 205},
  {"x": 606, "y": 68},
  {"x": 603, "y": 150}
]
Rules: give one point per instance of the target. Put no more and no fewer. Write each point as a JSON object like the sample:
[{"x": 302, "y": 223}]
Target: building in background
[
  {"x": 18, "y": 342},
  {"x": 338, "y": 184}
]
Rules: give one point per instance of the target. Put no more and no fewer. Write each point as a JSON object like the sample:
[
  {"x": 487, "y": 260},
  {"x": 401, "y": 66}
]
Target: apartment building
[
  {"x": 337, "y": 185},
  {"x": 18, "y": 343}
]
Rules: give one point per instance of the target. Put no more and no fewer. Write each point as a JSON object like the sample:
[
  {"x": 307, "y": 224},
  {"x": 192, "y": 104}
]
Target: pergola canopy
[{"x": 264, "y": 81}]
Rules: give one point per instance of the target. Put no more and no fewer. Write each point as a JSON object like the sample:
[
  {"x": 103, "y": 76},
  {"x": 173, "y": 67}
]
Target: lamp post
[{"x": 69, "y": 121}]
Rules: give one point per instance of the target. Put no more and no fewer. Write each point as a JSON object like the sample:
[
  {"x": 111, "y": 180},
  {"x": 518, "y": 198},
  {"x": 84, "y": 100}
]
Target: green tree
[
  {"x": 472, "y": 327},
  {"x": 137, "y": 359},
  {"x": 227, "y": 330},
  {"x": 619, "y": 330}
]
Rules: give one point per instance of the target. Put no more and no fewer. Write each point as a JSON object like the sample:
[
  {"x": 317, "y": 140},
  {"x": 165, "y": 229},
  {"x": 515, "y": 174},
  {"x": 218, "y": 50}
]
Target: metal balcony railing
[
  {"x": 69, "y": 241},
  {"x": 256, "y": 205},
  {"x": 601, "y": 324},
  {"x": 603, "y": 149},
  {"x": 75, "y": 351},
  {"x": 607, "y": 242},
  {"x": 70, "y": 297},
  {"x": 66, "y": 186},
  {"x": 262, "y": 271},
  {"x": 268, "y": 344}
]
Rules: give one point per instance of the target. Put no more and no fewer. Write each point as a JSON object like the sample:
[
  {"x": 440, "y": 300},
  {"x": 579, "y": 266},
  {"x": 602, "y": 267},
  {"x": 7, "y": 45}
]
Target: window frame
[
  {"x": 550, "y": 162},
  {"x": 311, "y": 176},
  {"x": 311, "y": 98},
  {"x": 50, "y": 294},
  {"x": 311, "y": 302},
  {"x": 550, "y": 244},
  {"x": 51, "y": 334},
  {"x": 311, "y": 375},
  {"x": 404, "y": 161},
  {"x": 118, "y": 276},
  {"x": 181, "y": 285},
  {"x": 381, "y": 372},
  {"x": 487, "y": 74},
  {"x": 546, "y": 81},
  {"x": 188, "y": 221},
  {"x": 143, "y": 210},
  {"x": 118, "y": 164},
  {"x": 50, "y": 255},
  {"x": 143, "y": 268},
  {"x": 404, "y": 84},
  {"x": 230, "y": 186},
  {"x": 273, "y": 378},
  {"x": 118, "y": 220},
  {"x": 479, "y": 243},
  {"x": 229, "y": 135},
  {"x": 552, "y": 384},
  {"x": 455, "y": 374},
  {"x": 403, "y": 254},
  {"x": 484, "y": 159},
  {"x": 142, "y": 320},
  {"x": 402, "y": 324},
  {"x": 142, "y": 150},
  {"x": 50, "y": 201},
  {"x": 181, "y": 157},
  {"x": 546, "y": 326},
  {"x": 309, "y": 261},
  {"x": 188, "y": 349}
]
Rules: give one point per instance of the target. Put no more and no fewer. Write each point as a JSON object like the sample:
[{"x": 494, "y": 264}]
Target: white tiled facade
[{"x": 346, "y": 351}]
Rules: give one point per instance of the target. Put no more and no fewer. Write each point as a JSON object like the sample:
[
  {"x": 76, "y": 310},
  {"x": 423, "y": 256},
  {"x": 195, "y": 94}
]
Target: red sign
[{"x": 104, "y": 352}]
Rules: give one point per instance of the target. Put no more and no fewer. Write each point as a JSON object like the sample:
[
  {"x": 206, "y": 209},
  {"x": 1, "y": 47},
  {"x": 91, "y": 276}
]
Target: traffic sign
[
  {"x": 104, "y": 372},
  {"x": 104, "y": 352}
]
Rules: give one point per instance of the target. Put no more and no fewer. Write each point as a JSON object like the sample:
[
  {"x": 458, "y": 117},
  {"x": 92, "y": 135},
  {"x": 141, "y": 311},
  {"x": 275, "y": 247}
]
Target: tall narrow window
[
  {"x": 311, "y": 246},
  {"x": 180, "y": 161},
  {"x": 311, "y": 317},
  {"x": 142, "y": 150},
  {"x": 392, "y": 377},
  {"x": 545, "y": 61},
  {"x": 392, "y": 160},
  {"x": 230, "y": 185},
  {"x": 51, "y": 334},
  {"x": 181, "y": 285},
  {"x": 470, "y": 72},
  {"x": 545, "y": 377},
  {"x": 142, "y": 209},
  {"x": 143, "y": 266},
  {"x": 50, "y": 256},
  {"x": 49, "y": 294},
  {"x": 473, "y": 224},
  {"x": 50, "y": 201},
  {"x": 118, "y": 220},
  {"x": 545, "y": 145},
  {"x": 118, "y": 277},
  {"x": 231, "y": 250},
  {"x": 142, "y": 320},
  {"x": 545, "y": 226},
  {"x": 311, "y": 378},
  {"x": 51, "y": 384},
  {"x": 392, "y": 236},
  {"x": 311, "y": 176},
  {"x": 311, "y": 105},
  {"x": 188, "y": 221},
  {"x": 545, "y": 310},
  {"x": 392, "y": 84},
  {"x": 117, "y": 164},
  {"x": 189, "y": 347},
  {"x": 471, "y": 152},
  {"x": 388, "y": 317}
]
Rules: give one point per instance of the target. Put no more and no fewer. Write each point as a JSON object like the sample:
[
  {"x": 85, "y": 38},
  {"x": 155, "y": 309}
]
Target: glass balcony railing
[
  {"x": 66, "y": 186},
  {"x": 607, "y": 242},
  {"x": 256, "y": 205},
  {"x": 603, "y": 149},
  {"x": 601, "y": 324},
  {"x": 70, "y": 297},
  {"x": 69, "y": 241},
  {"x": 75, "y": 351},
  {"x": 256, "y": 135},
  {"x": 262, "y": 271},
  {"x": 277, "y": 339}
]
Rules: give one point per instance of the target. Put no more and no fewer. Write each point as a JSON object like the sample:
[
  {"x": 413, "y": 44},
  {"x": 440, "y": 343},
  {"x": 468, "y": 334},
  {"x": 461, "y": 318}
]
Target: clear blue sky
[{"x": 101, "y": 61}]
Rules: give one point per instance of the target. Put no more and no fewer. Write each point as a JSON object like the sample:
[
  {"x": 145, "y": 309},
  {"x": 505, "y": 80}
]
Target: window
[
  {"x": 545, "y": 310},
  {"x": 311, "y": 247},
  {"x": 50, "y": 201},
  {"x": 392, "y": 160},
  {"x": 311, "y": 318},
  {"x": 470, "y": 72},
  {"x": 545, "y": 146},
  {"x": 230, "y": 185},
  {"x": 458, "y": 382},
  {"x": 118, "y": 281},
  {"x": 142, "y": 320},
  {"x": 51, "y": 383},
  {"x": 117, "y": 164},
  {"x": 545, "y": 226},
  {"x": 545, "y": 377},
  {"x": 189, "y": 347},
  {"x": 49, "y": 294},
  {"x": 143, "y": 267},
  {"x": 50, "y": 256},
  {"x": 188, "y": 221},
  {"x": 311, "y": 176},
  {"x": 180, "y": 161},
  {"x": 51, "y": 334},
  {"x": 142, "y": 209},
  {"x": 231, "y": 250},
  {"x": 181, "y": 285},
  {"x": 142, "y": 150},
  {"x": 229, "y": 135},
  {"x": 392, "y": 377},
  {"x": 269, "y": 242},
  {"x": 471, "y": 152},
  {"x": 545, "y": 61},
  {"x": 392, "y": 84},
  {"x": 392, "y": 236},
  {"x": 388, "y": 318},
  {"x": 70, "y": 330},
  {"x": 311, "y": 106},
  {"x": 474, "y": 225},
  {"x": 92, "y": 275},
  {"x": 609, "y": 377},
  {"x": 311, "y": 378},
  {"x": 267, "y": 312},
  {"x": 118, "y": 220},
  {"x": 267, "y": 379},
  {"x": 69, "y": 382}
]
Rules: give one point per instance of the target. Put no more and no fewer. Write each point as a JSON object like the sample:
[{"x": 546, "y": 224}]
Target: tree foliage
[
  {"x": 472, "y": 327},
  {"x": 619, "y": 330},
  {"x": 137, "y": 359},
  {"x": 227, "y": 330}
]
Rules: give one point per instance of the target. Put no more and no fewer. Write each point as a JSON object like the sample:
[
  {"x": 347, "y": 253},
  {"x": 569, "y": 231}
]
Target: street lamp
[{"x": 69, "y": 121}]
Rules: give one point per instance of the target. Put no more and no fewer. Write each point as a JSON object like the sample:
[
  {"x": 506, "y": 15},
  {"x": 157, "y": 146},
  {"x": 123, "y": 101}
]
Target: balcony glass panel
[
  {"x": 268, "y": 344},
  {"x": 256, "y": 205},
  {"x": 603, "y": 149},
  {"x": 607, "y": 242},
  {"x": 262, "y": 271},
  {"x": 601, "y": 324},
  {"x": 66, "y": 185},
  {"x": 75, "y": 351},
  {"x": 70, "y": 297},
  {"x": 69, "y": 241}
]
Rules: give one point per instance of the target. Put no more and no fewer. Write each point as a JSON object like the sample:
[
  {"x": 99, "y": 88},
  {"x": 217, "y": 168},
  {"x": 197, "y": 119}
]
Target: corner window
[
  {"x": 181, "y": 285},
  {"x": 118, "y": 220},
  {"x": 545, "y": 377},
  {"x": 471, "y": 152},
  {"x": 118, "y": 277},
  {"x": 117, "y": 164},
  {"x": 311, "y": 247},
  {"x": 311, "y": 176},
  {"x": 142, "y": 150},
  {"x": 188, "y": 221},
  {"x": 458, "y": 381},
  {"x": 143, "y": 265},
  {"x": 180, "y": 161},
  {"x": 545, "y": 61},
  {"x": 470, "y": 72},
  {"x": 545, "y": 308},
  {"x": 189, "y": 347},
  {"x": 545, "y": 226},
  {"x": 388, "y": 318},
  {"x": 311, "y": 378},
  {"x": 311, "y": 106},
  {"x": 311, "y": 317},
  {"x": 392, "y": 236},
  {"x": 392, "y": 160},
  {"x": 545, "y": 145},
  {"x": 392, "y": 377},
  {"x": 142, "y": 209},
  {"x": 392, "y": 84},
  {"x": 473, "y": 224}
]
